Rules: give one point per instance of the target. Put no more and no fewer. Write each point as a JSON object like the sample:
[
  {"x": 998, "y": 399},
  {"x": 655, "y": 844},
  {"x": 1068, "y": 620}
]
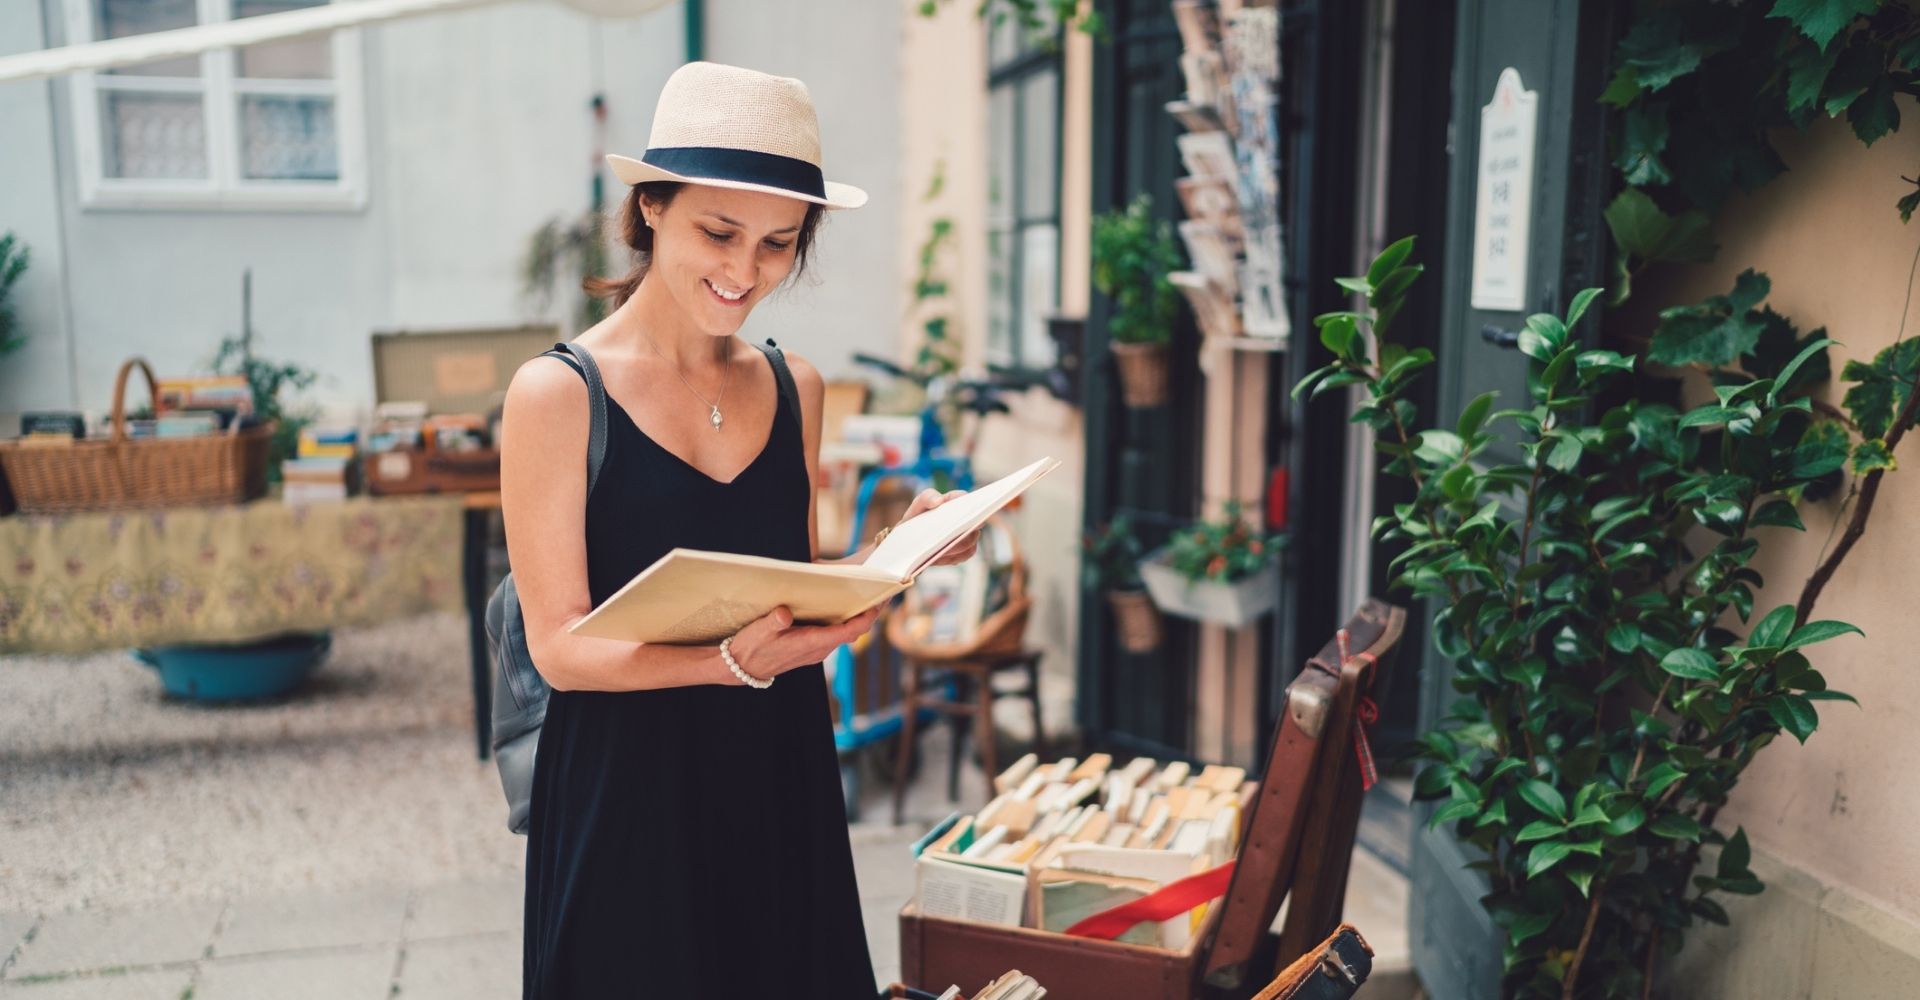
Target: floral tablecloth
[{"x": 83, "y": 582}]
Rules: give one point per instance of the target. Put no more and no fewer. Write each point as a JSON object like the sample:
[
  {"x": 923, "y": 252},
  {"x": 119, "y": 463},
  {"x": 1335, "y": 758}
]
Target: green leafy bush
[
  {"x": 1110, "y": 556},
  {"x": 1132, "y": 255},
  {"x": 1222, "y": 550},
  {"x": 1597, "y": 600}
]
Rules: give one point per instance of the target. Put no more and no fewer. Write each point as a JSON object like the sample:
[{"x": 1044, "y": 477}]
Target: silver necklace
[{"x": 713, "y": 405}]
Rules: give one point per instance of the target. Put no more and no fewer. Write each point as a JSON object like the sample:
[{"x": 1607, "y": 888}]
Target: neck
[{"x": 652, "y": 321}]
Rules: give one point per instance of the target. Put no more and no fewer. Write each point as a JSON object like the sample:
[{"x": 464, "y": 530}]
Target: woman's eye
[
  {"x": 776, "y": 246},
  {"x": 717, "y": 237}
]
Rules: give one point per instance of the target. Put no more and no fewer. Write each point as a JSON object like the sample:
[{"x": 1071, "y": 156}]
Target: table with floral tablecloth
[{"x": 81, "y": 582}]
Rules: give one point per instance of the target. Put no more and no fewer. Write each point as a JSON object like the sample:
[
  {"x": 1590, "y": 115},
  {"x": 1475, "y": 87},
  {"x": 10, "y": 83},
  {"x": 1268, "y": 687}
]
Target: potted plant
[
  {"x": 1110, "y": 563},
  {"x": 13, "y": 263},
  {"x": 1133, "y": 253},
  {"x": 1222, "y": 571},
  {"x": 1598, "y": 601}
]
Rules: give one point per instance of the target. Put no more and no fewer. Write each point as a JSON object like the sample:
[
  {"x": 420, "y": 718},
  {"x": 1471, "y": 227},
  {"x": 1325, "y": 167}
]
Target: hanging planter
[
  {"x": 1220, "y": 572},
  {"x": 1137, "y": 619},
  {"x": 1143, "y": 374},
  {"x": 1133, "y": 253},
  {"x": 1234, "y": 604}
]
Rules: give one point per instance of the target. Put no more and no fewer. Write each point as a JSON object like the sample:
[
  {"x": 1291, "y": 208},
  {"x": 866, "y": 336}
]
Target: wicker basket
[
  {"x": 116, "y": 473},
  {"x": 1143, "y": 374},
  {"x": 1137, "y": 619}
]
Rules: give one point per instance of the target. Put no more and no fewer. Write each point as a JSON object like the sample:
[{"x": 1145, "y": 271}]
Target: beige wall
[
  {"x": 944, "y": 107},
  {"x": 1843, "y": 811}
]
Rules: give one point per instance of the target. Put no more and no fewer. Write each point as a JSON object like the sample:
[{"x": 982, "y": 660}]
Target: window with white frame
[
  {"x": 1023, "y": 189},
  {"x": 273, "y": 125}
]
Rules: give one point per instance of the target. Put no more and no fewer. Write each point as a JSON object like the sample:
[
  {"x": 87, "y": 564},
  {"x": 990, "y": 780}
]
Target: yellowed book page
[
  {"x": 1093, "y": 767},
  {"x": 1012, "y": 777},
  {"x": 912, "y": 544},
  {"x": 1095, "y": 829},
  {"x": 690, "y": 597}
]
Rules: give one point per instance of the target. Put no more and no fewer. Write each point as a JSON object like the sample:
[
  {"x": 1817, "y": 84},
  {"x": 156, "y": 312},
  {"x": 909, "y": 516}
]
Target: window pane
[
  {"x": 1040, "y": 139},
  {"x": 152, "y": 135},
  {"x": 120, "y": 18},
  {"x": 288, "y": 138},
  {"x": 1000, "y": 294},
  {"x": 1000, "y": 154},
  {"x": 1039, "y": 287},
  {"x": 306, "y": 58}
]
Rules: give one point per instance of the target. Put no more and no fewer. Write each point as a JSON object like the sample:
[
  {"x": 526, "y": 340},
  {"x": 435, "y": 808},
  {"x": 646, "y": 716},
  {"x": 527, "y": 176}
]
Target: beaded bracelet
[{"x": 734, "y": 665}]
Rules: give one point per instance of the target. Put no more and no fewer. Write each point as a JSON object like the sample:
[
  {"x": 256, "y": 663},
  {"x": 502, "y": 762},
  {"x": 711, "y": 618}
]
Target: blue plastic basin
[{"x": 241, "y": 672}]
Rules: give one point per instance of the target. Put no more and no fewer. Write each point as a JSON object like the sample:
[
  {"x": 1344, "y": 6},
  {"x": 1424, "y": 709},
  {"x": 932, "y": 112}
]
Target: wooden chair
[{"x": 998, "y": 645}]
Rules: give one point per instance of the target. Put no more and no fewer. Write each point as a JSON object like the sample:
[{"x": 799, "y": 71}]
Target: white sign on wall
[{"x": 1503, "y": 205}]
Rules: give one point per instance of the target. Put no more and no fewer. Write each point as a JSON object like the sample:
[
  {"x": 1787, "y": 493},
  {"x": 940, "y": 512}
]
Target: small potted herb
[
  {"x": 1110, "y": 563},
  {"x": 1133, "y": 253},
  {"x": 1220, "y": 571}
]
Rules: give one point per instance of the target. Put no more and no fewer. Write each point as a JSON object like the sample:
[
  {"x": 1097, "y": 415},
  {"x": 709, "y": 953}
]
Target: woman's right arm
[{"x": 543, "y": 494}]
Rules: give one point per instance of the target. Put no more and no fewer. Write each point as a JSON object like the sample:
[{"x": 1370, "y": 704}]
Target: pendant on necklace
[{"x": 714, "y": 417}]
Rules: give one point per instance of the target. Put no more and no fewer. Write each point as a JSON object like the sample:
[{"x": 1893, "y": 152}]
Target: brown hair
[{"x": 638, "y": 237}]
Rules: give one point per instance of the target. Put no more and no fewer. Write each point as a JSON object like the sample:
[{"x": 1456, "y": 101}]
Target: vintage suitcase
[
  {"x": 1297, "y": 837},
  {"x": 452, "y": 372}
]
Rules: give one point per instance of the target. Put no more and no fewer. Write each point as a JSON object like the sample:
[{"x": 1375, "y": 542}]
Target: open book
[{"x": 693, "y": 597}]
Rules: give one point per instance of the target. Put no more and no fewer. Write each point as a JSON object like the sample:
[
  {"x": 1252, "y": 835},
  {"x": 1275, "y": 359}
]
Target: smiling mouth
[{"x": 733, "y": 299}]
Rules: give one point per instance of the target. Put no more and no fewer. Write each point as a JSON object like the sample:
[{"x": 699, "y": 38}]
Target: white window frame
[{"x": 224, "y": 188}]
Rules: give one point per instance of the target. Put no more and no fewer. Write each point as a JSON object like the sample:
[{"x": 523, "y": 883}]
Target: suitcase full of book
[{"x": 1168, "y": 934}]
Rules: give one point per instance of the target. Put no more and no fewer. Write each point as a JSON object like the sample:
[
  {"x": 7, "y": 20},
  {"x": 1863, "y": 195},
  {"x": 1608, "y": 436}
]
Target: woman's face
[{"x": 719, "y": 252}]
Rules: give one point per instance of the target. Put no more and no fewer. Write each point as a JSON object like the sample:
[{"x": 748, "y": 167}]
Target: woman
[{"x": 687, "y": 836}]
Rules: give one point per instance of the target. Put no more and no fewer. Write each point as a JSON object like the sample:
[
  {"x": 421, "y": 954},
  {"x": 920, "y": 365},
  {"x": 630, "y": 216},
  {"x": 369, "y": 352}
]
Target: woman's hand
[
  {"x": 963, "y": 547},
  {"x": 774, "y": 645}
]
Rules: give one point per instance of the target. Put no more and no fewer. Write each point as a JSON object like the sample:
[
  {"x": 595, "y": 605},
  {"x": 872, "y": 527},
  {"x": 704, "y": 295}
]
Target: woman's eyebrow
[{"x": 742, "y": 225}]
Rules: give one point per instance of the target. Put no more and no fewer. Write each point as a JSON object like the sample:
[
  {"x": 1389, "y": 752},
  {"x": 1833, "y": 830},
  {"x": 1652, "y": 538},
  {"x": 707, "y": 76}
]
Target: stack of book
[
  {"x": 323, "y": 467},
  {"x": 1063, "y": 841},
  {"x": 1231, "y": 197}
]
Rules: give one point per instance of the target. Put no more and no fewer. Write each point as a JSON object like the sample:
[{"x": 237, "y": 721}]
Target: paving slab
[
  {"x": 485, "y": 967},
  {"x": 365, "y": 974},
  {"x": 149, "y": 984},
  {"x": 312, "y": 920},
  {"x": 88, "y": 940},
  {"x": 458, "y": 909}
]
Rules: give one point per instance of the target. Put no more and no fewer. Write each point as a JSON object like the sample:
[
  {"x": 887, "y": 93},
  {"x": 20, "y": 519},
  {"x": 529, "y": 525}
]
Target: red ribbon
[{"x": 1164, "y": 903}]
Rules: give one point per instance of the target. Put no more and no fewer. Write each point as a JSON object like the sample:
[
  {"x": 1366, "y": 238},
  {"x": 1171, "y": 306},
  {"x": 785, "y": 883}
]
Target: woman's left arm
[{"x": 813, "y": 396}]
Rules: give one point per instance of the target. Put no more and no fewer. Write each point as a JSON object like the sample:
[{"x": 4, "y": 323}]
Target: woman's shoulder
[
  {"x": 546, "y": 384},
  {"x": 806, "y": 377}
]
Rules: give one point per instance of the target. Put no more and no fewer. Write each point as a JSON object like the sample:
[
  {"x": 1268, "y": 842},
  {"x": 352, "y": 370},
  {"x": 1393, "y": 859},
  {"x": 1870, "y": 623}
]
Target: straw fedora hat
[{"x": 723, "y": 126}]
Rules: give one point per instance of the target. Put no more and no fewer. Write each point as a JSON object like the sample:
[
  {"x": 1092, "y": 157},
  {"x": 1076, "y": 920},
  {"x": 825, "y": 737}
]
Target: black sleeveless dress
[{"x": 692, "y": 842}]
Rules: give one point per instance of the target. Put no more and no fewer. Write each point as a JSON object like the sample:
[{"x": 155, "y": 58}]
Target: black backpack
[{"x": 519, "y": 692}]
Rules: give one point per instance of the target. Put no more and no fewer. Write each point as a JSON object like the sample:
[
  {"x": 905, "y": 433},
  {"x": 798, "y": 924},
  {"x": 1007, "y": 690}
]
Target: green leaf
[
  {"x": 1590, "y": 814},
  {"x": 1565, "y": 455},
  {"x": 1784, "y": 379},
  {"x": 1626, "y": 822},
  {"x": 1795, "y": 714},
  {"x": 1652, "y": 48},
  {"x": 1624, "y": 637},
  {"x": 1474, "y": 416},
  {"x": 1715, "y": 333},
  {"x": 1872, "y": 455},
  {"x": 1544, "y": 856},
  {"x": 1539, "y": 829},
  {"x": 1544, "y": 797},
  {"x": 1710, "y": 911},
  {"x": 1736, "y": 856},
  {"x": 1581, "y": 301},
  {"x": 1456, "y": 809},
  {"x": 1357, "y": 286},
  {"x": 1693, "y": 664},
  {"x": 1675, "y": 826},
  {"x": 1642, "y": 138},
  {"x": 1643, "y": 230},
  {"x": 1807, "y": 69},
  {"x": 1660, "y": 776},
  {"x": 1831, "y": 696},
  {"x": 1780, "y": 513},
  {"x": 1390, "y": 258},
  {"x": 1339, "y": 335},
  {"x": 1623, "y": 88},
  {"x": 1874, "y": 114},
  {"x": 1820, "y": 631},
  {"x": 1883, "y": 386},
  {"x": 1582, "y": 879},
  {"x": 1439, "y": 447},
  {"x": 1433, "y": 781},
  {"x": 1822, "y": 449},
  {"x": 1820, "y": 20},
  {"x": 1774, "y": 629}
]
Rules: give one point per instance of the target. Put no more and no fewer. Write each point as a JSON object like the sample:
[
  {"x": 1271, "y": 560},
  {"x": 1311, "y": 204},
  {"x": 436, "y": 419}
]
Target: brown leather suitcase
[{"x": 1311, "y": 772}]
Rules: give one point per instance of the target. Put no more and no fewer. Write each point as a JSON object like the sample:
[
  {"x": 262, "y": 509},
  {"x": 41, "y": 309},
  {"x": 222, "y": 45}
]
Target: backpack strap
[
  {"x": 578, "y": 357},
  {"x": 784, "y": 377}
]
